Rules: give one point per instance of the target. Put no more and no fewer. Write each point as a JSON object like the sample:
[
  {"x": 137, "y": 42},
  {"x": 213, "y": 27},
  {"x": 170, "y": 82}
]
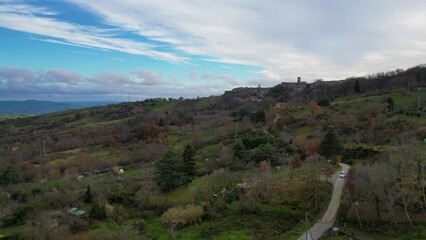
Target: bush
[
  {"x": 140, "y": 226},
  {"x": 19, "y": 216},
  {"x": 10, "y": 176},
  {"x": 324, "y": 102},
  {"x": 249, "y": 202},
  {"x": 182, "y": 216},
  {"x": 98, "y": 211},
  {"x": 19, "y": 196},
  {"x": 78, "y": 225}
]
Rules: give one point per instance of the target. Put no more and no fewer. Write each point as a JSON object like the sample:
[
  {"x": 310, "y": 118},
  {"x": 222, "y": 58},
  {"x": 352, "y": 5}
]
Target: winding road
[{"x": 329, "y": 217}]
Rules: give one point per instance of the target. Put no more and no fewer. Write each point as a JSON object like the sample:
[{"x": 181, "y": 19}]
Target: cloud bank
[{"x": 19, "y": 83}]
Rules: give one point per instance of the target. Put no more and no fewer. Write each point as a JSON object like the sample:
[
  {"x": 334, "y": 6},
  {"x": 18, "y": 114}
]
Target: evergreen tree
[
  {"x": 357, "y": 87},
  {"x": 391, "y": 104},
  {"x": 189, "y": 170},
  {"x": 10, "y": 176},
  {"x": 88, "y": 197},
  {"x": 168, "y": 172},
  {"x": 331, "y": 144},
  {"x": 238, "y": 150}
]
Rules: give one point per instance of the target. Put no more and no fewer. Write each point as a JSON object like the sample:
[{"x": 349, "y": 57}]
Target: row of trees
[{"x": 391, "y": 189}]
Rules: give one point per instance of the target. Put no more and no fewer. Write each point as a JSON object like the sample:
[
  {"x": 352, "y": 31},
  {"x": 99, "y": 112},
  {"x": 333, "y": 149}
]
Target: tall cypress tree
[
  {"x": 189, "y": 169},
  {"x": 357, "y": 87},
  {"x": 88, "y": 197},
  {"x": 331, "y": 144},
  {"x": 168, "y": 171}
]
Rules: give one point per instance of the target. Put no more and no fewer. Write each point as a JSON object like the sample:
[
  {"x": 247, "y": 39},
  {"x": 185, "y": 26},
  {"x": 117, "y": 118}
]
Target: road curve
[{"x": 329, "y": 217}]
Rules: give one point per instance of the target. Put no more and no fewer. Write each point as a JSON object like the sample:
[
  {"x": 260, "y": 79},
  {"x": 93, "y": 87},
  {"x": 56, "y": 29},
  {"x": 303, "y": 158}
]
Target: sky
[{"x": 90, "y": 50}]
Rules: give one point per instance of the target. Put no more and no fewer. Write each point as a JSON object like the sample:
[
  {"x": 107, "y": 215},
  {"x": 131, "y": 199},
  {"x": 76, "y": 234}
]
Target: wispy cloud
[
  {"x": 41, "y": 21},
  {"x": 331, "y": 39}
]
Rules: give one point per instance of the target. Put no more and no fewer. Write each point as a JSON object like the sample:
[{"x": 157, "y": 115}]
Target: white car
[{"x": 342, "y": 174}]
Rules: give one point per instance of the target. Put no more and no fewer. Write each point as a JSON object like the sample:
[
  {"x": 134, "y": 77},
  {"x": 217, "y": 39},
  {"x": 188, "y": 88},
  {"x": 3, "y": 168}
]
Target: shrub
[
  {"x": 324, "y": 102},
  {"x": 19, "y": 216},
  {"x": 140, "y": 226},
  {"x": 78, "y": 225},
  {"x": 19, "y": 195},
  {"x": 181, "y": 216},
  {"x": 98, "y": 211}
]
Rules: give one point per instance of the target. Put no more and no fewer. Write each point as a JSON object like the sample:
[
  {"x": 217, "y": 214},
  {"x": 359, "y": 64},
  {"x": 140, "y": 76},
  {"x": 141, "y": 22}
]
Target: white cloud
[
  {"x": 26, "y": 18},
  {"x": 313, "y": 39},
  {"x": 149, "y": 78}
]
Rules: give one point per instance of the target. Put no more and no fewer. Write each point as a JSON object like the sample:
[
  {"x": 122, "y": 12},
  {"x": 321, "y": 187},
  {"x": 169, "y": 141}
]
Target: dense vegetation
[{"x": 239, "y": 166}]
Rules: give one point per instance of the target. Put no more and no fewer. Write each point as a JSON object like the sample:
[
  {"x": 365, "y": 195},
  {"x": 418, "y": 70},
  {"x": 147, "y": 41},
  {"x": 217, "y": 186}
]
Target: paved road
[{"x": 329, "y": 217}]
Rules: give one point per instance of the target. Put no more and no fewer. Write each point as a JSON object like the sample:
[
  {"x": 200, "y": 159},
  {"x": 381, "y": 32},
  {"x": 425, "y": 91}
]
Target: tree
[
  {"x": 391, "y": 104},
  {"x": 88, "y": 197},
  {"x": 265, "y": 152},
  {"x": 189, "y": 170},
  {"x": 329, "y": 170},
  {"x": 296, "y": 161},
  {"x": 10, "y": 176},
  {"x": 238, "y": 150},
  {"x": 357, "y": 87},
  {"x": 331, "y": 144},
  {"x": 148, "y": 130},
  {"x": 168, "y": 171}
]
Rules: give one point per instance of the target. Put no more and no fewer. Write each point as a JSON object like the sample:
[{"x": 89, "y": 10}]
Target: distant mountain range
[{"x": 36, "y": 107}]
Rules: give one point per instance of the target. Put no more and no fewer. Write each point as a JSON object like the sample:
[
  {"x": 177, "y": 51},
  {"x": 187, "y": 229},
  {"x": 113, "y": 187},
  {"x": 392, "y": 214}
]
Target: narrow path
[{"x": 329, "y": 217}]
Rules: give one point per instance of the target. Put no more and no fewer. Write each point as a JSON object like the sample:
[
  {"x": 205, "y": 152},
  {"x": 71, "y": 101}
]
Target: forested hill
[
  {"x": 234, "y": 162},
  {"x": 35, "y": 107}
]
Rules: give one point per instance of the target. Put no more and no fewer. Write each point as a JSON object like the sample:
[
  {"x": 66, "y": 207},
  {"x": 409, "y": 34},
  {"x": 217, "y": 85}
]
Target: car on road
[{"x": 342, "y": 174}]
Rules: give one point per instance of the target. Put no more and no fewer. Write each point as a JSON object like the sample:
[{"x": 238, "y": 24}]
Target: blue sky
[{"x": 104, "y": 50}]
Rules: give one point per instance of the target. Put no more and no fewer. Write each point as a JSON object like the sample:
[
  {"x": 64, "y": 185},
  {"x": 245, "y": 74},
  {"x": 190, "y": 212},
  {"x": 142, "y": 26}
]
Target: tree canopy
[
  {"x": 331, "y": 144},
  {"x": 169, "y": 171}
]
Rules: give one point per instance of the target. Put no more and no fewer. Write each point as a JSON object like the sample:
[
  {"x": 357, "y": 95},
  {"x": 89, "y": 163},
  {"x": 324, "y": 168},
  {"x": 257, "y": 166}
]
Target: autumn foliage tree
[
  {"x": 296, "y": 161},
  {"x": 148, "y": 130}
]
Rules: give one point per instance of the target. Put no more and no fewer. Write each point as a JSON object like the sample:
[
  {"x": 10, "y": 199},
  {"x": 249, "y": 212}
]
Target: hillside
[
  {"x": 258, "y": 158},
  {"x": 35, "y": 107}
]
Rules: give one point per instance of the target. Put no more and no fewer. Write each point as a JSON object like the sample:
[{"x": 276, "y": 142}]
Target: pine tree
[
  {"x": 169, "y": 172},
  {"x": 189, "y": 169},
  {"x": 357, "y": 87},
  {"x": 331, "y": 144}
]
